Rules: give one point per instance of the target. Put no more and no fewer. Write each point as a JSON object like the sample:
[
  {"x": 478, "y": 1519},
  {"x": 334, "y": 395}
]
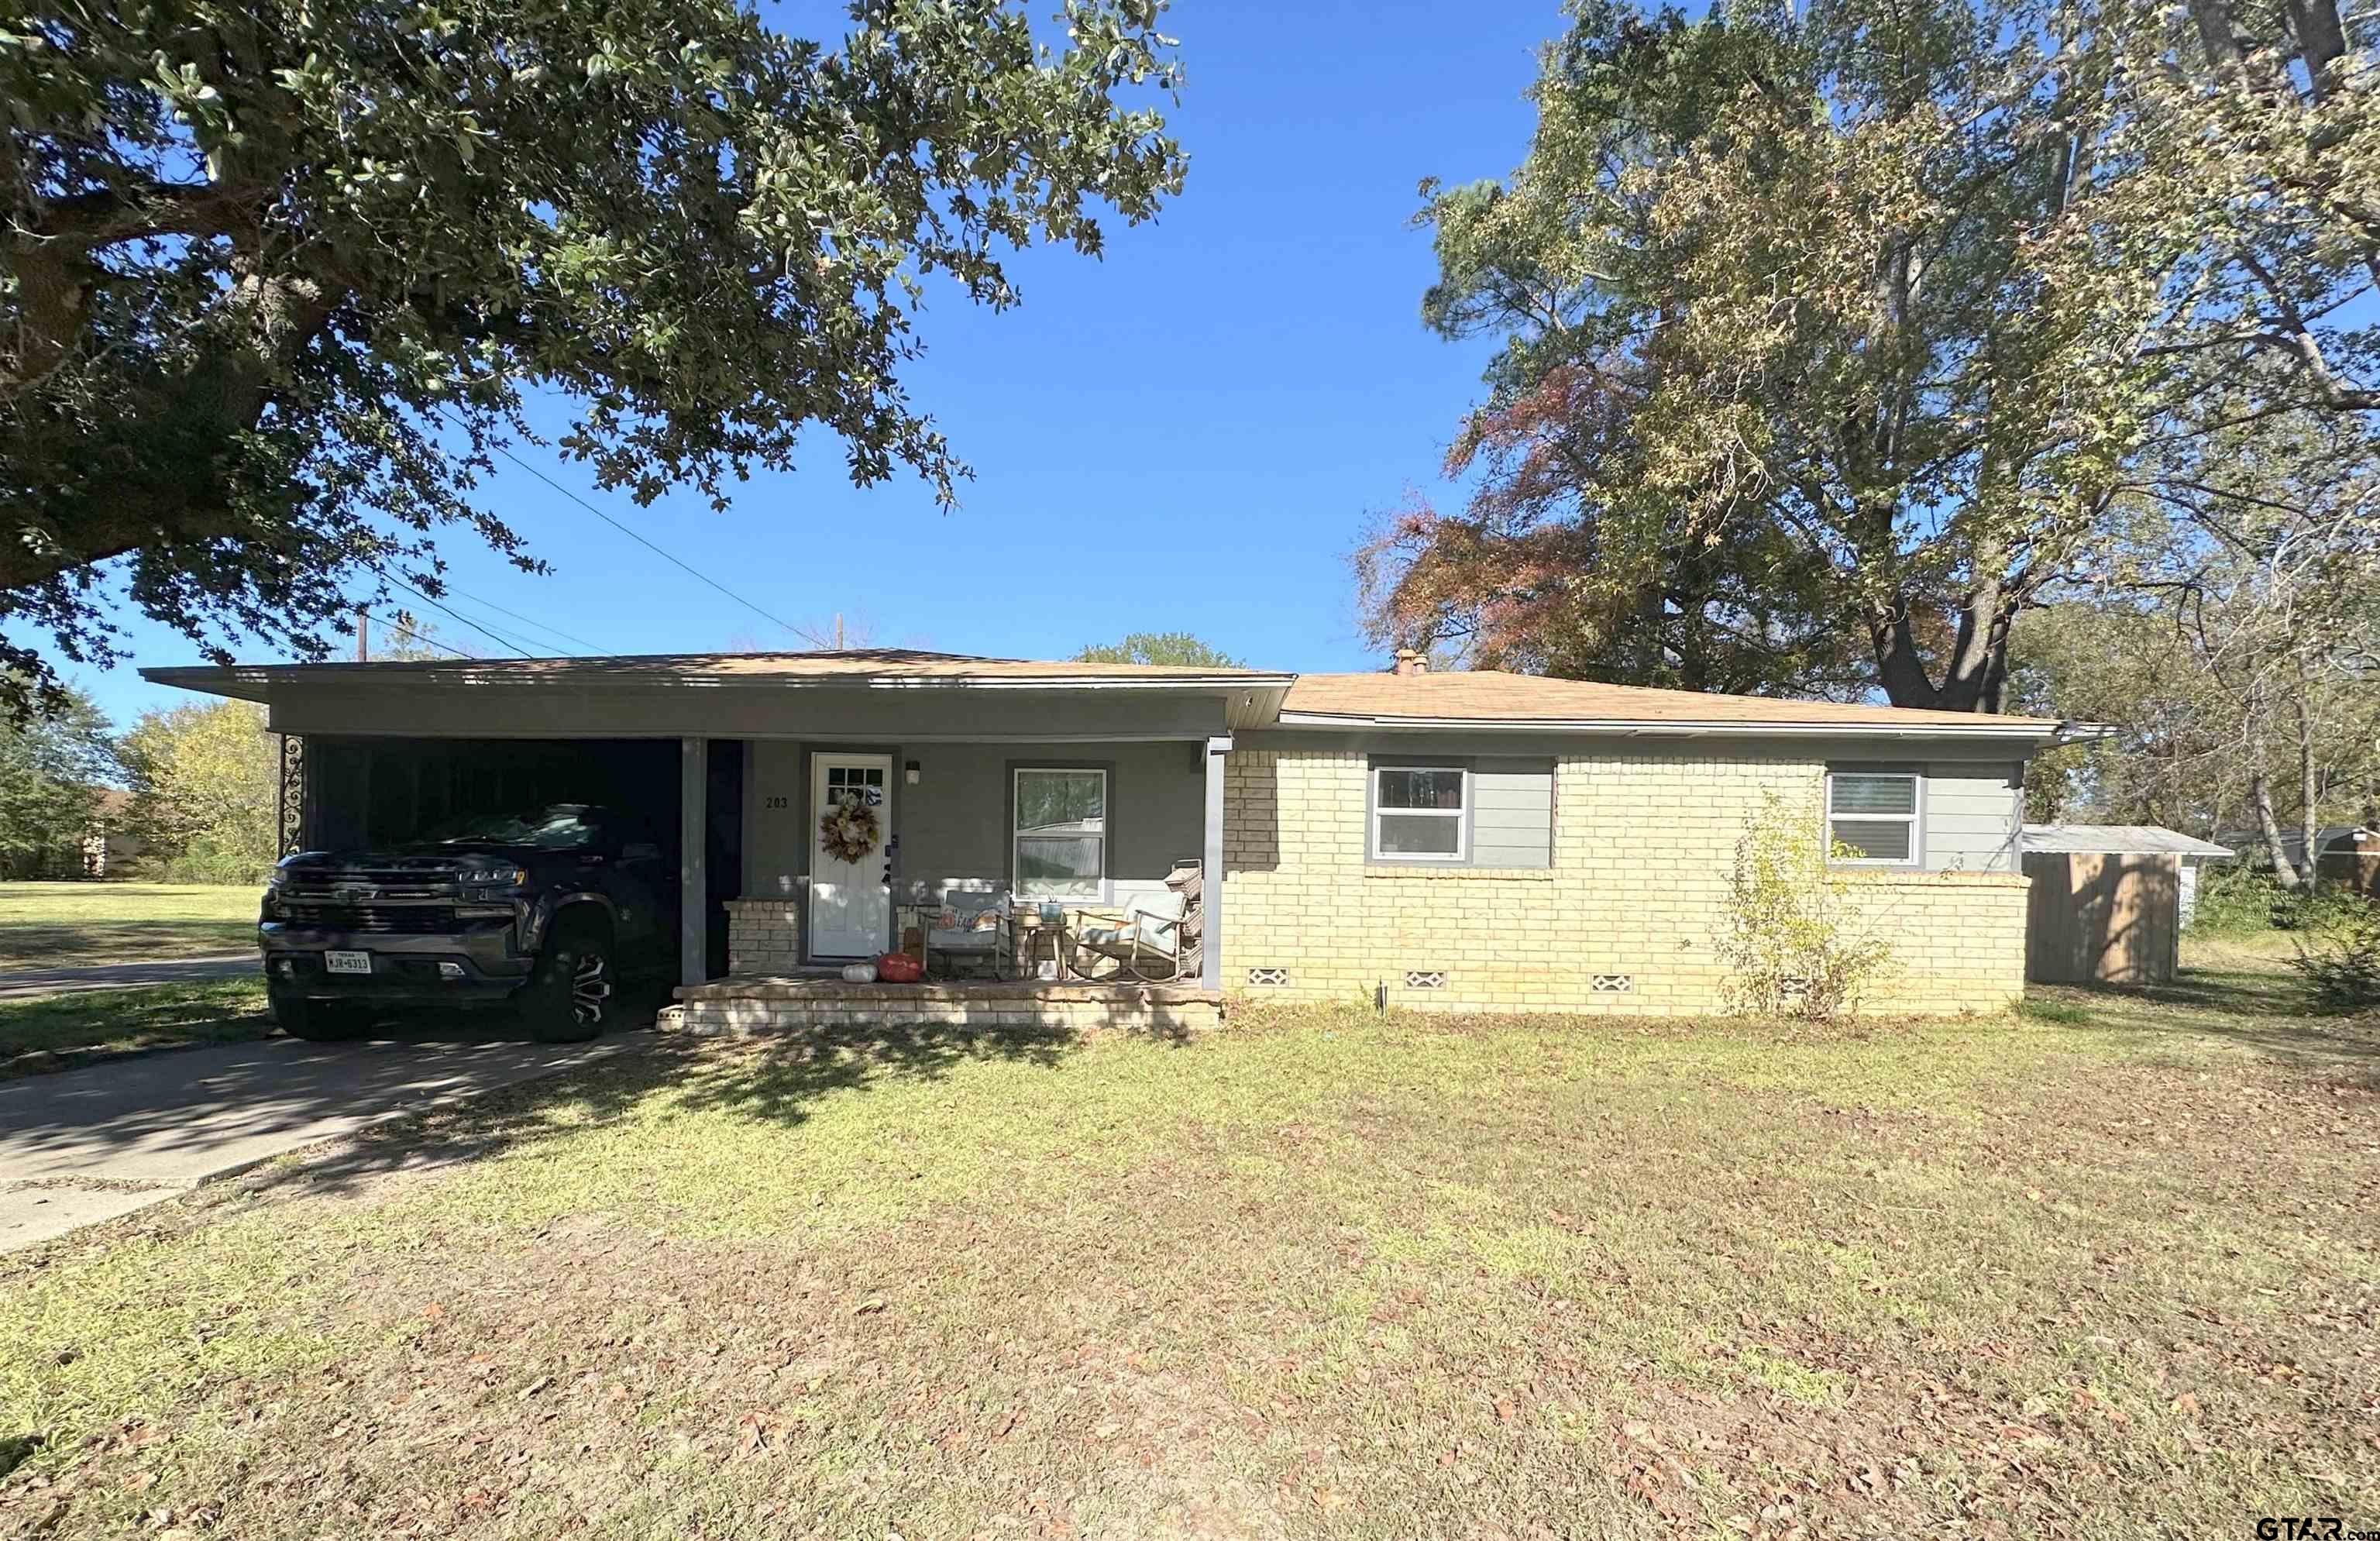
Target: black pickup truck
[{"x": 545, "y": 907}]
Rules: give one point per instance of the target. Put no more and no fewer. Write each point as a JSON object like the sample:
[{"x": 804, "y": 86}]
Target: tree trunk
[
  {"x": 2310, "y": 814},
  {"x": 2259, "y": 801},
  {"x": 1975, "y": 679},
  {"x": 184, "y": 497}
]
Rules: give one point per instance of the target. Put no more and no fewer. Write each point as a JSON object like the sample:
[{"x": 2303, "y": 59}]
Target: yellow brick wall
[{"x": 1644, "y": 842}]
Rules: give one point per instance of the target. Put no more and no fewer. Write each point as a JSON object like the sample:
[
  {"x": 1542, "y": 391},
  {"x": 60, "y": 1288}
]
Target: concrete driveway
[{"x": 88, "y": 1145}]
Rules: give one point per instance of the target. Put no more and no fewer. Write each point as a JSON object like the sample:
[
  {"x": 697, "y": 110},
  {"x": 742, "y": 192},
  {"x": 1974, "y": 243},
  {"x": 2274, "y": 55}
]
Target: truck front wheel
[
  {"x": 570, "y": 993},
  {"x": 317, "y": 1020}
]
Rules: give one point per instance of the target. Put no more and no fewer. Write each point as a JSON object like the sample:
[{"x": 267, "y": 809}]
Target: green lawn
[
  {"x": 2103, "y": 1269},
  {"x": 102, "y": 1022},
  {"x": 61, "y": 924}
]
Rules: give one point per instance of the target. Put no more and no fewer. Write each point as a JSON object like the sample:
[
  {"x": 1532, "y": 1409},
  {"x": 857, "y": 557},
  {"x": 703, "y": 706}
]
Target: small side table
[{"x": 1034, "y": 940}]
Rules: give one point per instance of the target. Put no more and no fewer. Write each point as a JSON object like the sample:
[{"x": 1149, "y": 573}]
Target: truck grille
[
  {"x": 383, "y": 882},
  {"x": 371, "y": 917}
]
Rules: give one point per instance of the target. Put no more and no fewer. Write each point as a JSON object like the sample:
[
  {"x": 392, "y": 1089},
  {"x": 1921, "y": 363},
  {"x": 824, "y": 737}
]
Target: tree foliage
[
  {"x": 276, "y": 280},
  {"x": 2236, "y": 653},
  {"x": 1832, "y": 340},
  {"x": 1177, "y": 648},
  {"x": 51, "y": 771},
  {"x": 206, "y": 787}
]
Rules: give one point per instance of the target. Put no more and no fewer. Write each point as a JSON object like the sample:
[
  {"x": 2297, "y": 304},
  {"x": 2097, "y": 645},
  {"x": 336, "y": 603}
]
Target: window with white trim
[
  {"x": 1060, "y": 830},
  {"x": 1419, "y": 813},
  {"x": 1871, "y": 818}
]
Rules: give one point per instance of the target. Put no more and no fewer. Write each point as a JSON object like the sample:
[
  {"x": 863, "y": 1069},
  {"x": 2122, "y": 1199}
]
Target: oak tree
[
  {"x": 1832, "y": 339},
  {"x": 277, "y": 278}
]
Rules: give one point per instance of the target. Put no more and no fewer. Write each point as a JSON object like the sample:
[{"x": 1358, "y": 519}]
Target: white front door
[{"x": 851, "y": 868}]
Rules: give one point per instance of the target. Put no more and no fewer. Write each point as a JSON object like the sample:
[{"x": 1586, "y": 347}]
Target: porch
[{"x": 797, "y": 1003}]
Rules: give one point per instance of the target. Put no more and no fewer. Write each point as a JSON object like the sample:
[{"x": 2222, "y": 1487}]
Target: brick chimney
[{"x": 1411, "y": 661}]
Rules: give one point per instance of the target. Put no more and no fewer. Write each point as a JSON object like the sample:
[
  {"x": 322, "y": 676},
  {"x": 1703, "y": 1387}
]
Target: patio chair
[
  {"x": 1144, "y": 944},
  {"x": 968, "y": 929}
]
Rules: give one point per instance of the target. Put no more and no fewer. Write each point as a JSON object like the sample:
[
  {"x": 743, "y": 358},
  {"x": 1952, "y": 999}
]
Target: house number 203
[{"x": 775, "y": 802}]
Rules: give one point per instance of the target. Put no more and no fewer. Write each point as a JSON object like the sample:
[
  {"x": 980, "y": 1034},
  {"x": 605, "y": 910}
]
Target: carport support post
[
  {"x": 1210, "y": 880},
  {"x": 693, "y": 887}
]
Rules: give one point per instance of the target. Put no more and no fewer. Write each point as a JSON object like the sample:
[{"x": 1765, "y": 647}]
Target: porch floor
[{"x": 763, "y": 1003}]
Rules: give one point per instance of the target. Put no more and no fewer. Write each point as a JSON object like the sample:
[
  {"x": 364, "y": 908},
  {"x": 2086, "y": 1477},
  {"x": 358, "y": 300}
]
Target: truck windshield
[{"x": 555, "y": 827}]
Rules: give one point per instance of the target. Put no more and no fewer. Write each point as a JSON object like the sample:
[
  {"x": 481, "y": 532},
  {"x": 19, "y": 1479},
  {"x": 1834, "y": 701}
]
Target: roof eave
[
  {"x": 1982, "y": 727},
  {"x": 255, "y": 682}
]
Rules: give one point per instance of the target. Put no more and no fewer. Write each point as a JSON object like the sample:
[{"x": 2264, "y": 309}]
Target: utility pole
[
  {"x": 838, "y": 631},
  {"x": 363, "y": 635}
]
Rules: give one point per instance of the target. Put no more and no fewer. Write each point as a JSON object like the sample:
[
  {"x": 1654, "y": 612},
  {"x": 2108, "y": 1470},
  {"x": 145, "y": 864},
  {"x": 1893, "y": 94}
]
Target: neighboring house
[
  {"x": 109, "y": 848},
  {"x": 2338, "y": 848},
  {"x": 1458, "y": 840}
]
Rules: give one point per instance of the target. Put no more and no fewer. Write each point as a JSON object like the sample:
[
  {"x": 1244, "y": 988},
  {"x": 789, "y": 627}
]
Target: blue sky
[{"x": 1189, "y": 434}]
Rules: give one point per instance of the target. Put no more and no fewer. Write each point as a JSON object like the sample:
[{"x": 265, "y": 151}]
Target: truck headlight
[
  {"x": 274, "y": 881},
  {"x": 490, "y": 882}
]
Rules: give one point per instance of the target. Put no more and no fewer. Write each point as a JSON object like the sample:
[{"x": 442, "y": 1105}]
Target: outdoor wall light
[{"x": 909, "y": 773}]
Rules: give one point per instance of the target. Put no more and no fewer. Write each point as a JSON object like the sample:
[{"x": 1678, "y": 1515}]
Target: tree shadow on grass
[
  {"x": 2264, "y": 1010},
  {"x": 85, "y": 943},
  {"x": 777, "y": 1079}
]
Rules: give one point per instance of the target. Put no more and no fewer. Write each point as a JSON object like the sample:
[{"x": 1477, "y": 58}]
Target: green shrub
[
  {"x": 2234, "y": 900},
  {"x": 205, "y": 860},
  {"x": 1793, "y": 940},
  {"x": 2341, "y": 963}
]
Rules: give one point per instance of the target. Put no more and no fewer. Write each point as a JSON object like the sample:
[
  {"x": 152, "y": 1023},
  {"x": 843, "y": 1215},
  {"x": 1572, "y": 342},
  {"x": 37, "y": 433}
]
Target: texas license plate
[{"x": 346, "y": 962}]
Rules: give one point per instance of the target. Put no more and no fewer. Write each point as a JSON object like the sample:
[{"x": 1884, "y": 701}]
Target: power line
[
  {"x": 630, "y": 533},
  {"x": 517, "y": 615},
  {"x": 407, "y": 625},
  {"x": 510, "y": 644}
]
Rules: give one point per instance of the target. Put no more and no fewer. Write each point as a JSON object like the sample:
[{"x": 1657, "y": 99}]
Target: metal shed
[{"x": 2108, "y": 900}]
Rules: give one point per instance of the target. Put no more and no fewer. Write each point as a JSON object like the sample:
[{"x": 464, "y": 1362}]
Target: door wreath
[{"x": 848, "y": 831}]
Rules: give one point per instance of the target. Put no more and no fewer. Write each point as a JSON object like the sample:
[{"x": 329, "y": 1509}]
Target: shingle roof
[
  {"x": 1459, "y": 698},
  {"x": 855, "y": 666},
  {"x": 879, "y": 664},
  {"x": 2118, "y": 840},
  {"x": 1491, "y": 695}
]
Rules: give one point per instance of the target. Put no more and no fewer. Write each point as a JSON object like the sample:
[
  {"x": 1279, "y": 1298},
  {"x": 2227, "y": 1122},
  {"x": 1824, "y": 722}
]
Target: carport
[
  {"x": 375, "y": 755},
  {"x": 343, "y": 791}
]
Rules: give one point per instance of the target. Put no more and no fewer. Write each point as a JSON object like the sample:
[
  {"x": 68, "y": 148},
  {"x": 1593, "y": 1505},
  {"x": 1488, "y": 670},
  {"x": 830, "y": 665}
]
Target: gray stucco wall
[
  {"x": 953, "y": 825},
  {"x": 1512, "y": 813},
  {"x": 1975, "y": 815}
]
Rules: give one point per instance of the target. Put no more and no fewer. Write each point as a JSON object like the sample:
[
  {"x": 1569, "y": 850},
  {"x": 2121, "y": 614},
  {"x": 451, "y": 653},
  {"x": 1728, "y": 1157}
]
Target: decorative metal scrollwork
[{"x": 293, "y": 793}]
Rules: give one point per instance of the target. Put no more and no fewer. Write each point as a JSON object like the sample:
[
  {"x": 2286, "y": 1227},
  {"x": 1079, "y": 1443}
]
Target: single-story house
[{"x": 1455, "y": 840}]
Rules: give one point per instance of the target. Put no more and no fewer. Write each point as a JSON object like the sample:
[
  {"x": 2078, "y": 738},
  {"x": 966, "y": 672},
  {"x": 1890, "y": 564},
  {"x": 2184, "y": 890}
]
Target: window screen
[
  {"x": 1872, "y": 816},
  {"x": 1418, "y": 813},
  {"x": 1061, "y": 833}
]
